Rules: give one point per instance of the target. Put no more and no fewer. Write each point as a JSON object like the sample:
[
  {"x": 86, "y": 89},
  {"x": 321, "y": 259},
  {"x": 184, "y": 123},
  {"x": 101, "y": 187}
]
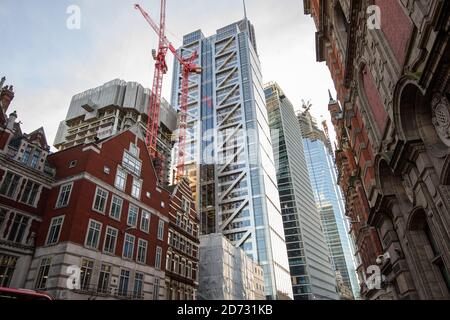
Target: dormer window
[
  {"x": 26, "y": 155},
  {"x": 134, "y": 150},
  {"x": 35, "y": 159}
]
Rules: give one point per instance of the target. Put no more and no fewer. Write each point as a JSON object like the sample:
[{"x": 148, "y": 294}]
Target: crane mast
[{"x": 188, "y": 66}]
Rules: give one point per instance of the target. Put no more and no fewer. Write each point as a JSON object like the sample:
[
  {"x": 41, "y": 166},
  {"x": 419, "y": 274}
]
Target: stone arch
[
  {"x": 426, "y": 253},
  {"x": 417, "y": 117}
]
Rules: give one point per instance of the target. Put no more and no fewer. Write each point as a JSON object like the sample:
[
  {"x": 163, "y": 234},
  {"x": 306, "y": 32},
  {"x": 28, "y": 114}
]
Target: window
[
  {"x": 26, "y": 155},
  {"x": 145, "y": 221},
  {"x": 156, "y": 290},
  {"x": 169, "y": 262},
  {"x": 185, "y": 205},
  {"x": 93, "y": 235},
  {"x": 18, "y": 227},
  {"x": 132, "y": 163},
  {"x": 142, "y": 251},
  {"x": 190, "y": 227},
  {"x": 7, "y": 267},
  {"x": 42, "y": 277},
  {"x": 134, "y": 150},
  {"x": 30, "y": 193},
  {"x": 123, "y": 282},
  {"x": 161, "y": 230},
  {"x": 101, "y": 196},
  {"x": 2, "y": 216},
  {"x": 183, "y": 268},
  {"x": 136, "y": 188},
  {"x": 189, "y": 270},
  {"x": 121, "y": 179},
  {"x": 158, "y": 258},
  {"x": 10, "y": 185},
  {"x": 104, "y": 279},
  {"x": 128, "y": 246},
  {"x": 64, "y": 196},
  {"x": 110, "y": 240},
  {"x": 87, "y": 267},
  {"x": 133, "y": 213},
  {"x": 55, "y": 230},
  {"x": 35, "y": 159},
  {"x": 116, "y": 208},
  {"x": 138, "y": 285}
]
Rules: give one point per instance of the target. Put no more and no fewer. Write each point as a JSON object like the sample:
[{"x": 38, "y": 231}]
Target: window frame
[
  {"x": 111, "y": 206},
  {"x": 115, "y": 240},
  {"x": 161, "y": 231},
  {"x": 132, "y": 247},
  {"x": 50, "y": 228},
  {"x": 120, "y": 169},
  {"x": 66, "y": 204},
  {"x": 40, "y": 276},
  {"x": 143, "y": 214},
  {"x": 133, "y": 188},
  {"x": 137, "y": 216},
  {"x": 158, "y": 262},
  {"x": 97, "y": 189},
  {"x": 99, "y": 234},
  {"x": 142, "y": 241}
]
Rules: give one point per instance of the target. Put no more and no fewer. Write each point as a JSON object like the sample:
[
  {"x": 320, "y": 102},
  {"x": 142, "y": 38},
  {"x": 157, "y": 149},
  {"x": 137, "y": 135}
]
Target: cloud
[{"x": 49, "y": 64}]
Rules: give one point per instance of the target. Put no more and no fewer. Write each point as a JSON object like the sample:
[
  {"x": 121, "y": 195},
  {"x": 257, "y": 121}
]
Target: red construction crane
[{"x": 188, "y": 67}]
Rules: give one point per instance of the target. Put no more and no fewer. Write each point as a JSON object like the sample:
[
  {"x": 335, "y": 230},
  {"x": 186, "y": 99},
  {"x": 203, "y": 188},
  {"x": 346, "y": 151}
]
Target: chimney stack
[{"x": 12, "y": 120}]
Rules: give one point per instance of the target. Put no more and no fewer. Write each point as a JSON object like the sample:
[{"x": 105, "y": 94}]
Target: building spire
[
  {"x": 245, "y": 10},
  {"x": 331, "y": 96}
]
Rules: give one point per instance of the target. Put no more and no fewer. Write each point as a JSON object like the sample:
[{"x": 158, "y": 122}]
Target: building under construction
[{"x": 113, "y": 107}]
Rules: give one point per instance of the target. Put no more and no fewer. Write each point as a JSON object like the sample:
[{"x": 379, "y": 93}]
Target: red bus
[{"x": 23, "y": 294}]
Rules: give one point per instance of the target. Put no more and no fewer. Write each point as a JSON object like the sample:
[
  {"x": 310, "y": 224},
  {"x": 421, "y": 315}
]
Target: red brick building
[
  {"x": 105, "y": 224},
  {"x": 183, "y": 252},
  {"x": 389, "y": 60},
  {"x": 25, "y": 180}
]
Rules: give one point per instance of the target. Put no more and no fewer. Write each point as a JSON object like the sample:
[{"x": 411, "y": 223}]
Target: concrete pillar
[
  {"x": 27, "y": 232},
  {"x": 21, "y": 272},
  {"x": 5, "y": 225}
]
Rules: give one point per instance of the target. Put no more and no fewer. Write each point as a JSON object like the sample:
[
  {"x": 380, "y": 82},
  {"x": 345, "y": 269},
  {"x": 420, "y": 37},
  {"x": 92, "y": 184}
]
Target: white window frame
[
  {"x": 124, "y": 243},
  {"x": 17, "y": 188},
  {"x": 161, "y": 227},
  {"x": 87, "y": 234},
  {"x": 50, "y": 228},
  {"x": 95, "y": 199},
  {"x": 115, "y": 241},
  {"x": 143, "y": 214},
  {"x": 120, "y": 169},
  {"x": 185, "y": 200},
  {"x": 57, "y": 205},
  {"x": 142, "y": 241},
  {"x": 27, "y": 201},
  {"x": 158, "y": 253},
  {"x": 111, "y": 206},
  {"x": 49, "y": 261},
  {"x": 133, "y": 188},
  {"x": 137, "y": 216}
]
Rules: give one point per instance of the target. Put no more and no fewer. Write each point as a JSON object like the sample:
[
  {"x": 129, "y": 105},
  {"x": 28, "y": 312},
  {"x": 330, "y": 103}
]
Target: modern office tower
[
  {"x": 322, "y": 171},
  {"x": 113, "y": 107},
  {"x": 229, "y": 156},
  {"x": 309, "y": 256}
]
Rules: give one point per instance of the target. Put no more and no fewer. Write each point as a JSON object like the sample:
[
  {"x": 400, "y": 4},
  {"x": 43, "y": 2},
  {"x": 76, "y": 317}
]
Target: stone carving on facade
[{"x": 441, "y": 117}]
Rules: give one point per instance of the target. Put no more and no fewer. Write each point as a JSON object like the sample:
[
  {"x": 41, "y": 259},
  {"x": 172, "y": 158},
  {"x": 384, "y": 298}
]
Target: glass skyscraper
[
  {"x": 229, "y": 157},
  {"x": 329, "y": 200},
  {"x": 309, "y": 257}
]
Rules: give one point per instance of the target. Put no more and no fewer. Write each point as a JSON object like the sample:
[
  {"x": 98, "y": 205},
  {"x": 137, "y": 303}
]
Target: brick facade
[{"x": 392, "y": 123}]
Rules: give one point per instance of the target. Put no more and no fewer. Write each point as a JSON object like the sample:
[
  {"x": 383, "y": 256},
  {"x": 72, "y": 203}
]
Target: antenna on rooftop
[{"x": 245, "y": 10}]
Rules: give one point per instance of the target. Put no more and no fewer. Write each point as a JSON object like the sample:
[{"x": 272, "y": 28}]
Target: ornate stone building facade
[{"x": 390, "y": 61}]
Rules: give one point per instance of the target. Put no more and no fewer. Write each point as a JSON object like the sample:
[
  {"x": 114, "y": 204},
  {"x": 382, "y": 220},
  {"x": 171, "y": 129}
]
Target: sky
[{"x": 47, "y": 63}]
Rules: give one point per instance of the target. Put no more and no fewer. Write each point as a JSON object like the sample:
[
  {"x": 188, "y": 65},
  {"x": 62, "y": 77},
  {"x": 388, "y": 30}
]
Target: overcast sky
[{"x": 47, "y": 63}]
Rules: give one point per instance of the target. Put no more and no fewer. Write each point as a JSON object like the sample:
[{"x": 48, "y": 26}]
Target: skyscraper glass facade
[
  {"x": 309, "y": 257},
  {"x": 229, "y": 156},
  {"x": 328, "y": 197}
]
